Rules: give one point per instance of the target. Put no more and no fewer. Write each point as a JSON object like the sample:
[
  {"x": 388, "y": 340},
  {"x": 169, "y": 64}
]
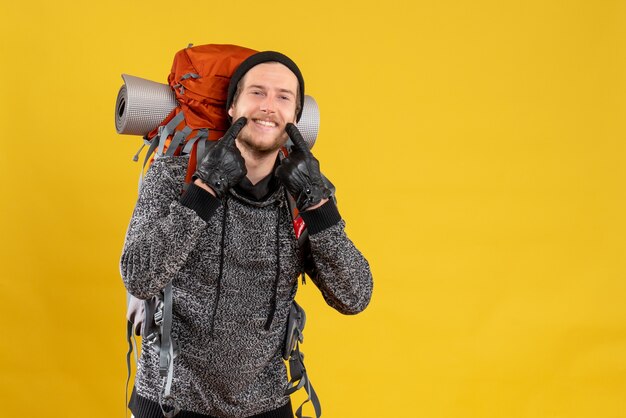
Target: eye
[{"x": 285, "y": 98}]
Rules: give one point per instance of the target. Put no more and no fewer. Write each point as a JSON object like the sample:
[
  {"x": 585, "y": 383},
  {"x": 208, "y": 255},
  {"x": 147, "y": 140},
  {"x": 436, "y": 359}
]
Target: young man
[{"x": 229, "y": 247}]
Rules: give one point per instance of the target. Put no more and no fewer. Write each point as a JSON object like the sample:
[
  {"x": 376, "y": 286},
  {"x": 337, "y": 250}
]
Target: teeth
[{"x": 265, "y": 123}]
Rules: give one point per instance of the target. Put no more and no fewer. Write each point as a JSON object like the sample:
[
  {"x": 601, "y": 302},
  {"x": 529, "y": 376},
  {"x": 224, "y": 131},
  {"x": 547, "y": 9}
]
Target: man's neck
[{"x": 258, "y": 165}]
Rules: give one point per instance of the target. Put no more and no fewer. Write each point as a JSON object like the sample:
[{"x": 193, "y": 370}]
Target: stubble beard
[{"x": 261, "y": 150}]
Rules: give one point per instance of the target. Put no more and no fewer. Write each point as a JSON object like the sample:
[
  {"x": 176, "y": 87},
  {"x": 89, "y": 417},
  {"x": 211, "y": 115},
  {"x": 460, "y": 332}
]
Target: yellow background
[{"x": 478, "y": 152}]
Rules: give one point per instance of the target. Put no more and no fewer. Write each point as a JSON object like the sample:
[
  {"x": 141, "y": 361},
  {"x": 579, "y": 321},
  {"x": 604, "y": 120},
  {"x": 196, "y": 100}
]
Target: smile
[{"x": 266, "y": 123}]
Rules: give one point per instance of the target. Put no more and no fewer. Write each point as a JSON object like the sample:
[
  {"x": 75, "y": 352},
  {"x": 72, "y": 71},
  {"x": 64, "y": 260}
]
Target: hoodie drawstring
[{"x": 273, "y": 299}]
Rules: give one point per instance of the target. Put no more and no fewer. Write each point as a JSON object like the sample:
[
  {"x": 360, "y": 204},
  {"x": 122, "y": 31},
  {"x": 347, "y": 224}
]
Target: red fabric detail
[{"x": 298, "y": 226}]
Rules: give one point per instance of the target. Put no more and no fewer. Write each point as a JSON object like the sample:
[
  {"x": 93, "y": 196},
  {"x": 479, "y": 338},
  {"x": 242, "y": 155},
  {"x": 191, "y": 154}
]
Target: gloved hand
[
  {"x": 300, "y": 173},
  {"x": 223, "y": 166}
]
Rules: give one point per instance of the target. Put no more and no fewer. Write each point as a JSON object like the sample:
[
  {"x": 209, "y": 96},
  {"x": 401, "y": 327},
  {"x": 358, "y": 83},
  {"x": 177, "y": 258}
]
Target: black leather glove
[
  {"x": 300, "y": 172},
  {"x": 223, "y": 166}
]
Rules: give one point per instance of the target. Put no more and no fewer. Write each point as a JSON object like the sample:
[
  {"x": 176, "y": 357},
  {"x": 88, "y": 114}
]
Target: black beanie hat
[{"x": 260, "y": 58}]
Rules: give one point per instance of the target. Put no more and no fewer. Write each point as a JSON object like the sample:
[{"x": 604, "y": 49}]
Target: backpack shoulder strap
[
  {"x": 167, "y": 353},
  {"x": 297, "y": 370}
]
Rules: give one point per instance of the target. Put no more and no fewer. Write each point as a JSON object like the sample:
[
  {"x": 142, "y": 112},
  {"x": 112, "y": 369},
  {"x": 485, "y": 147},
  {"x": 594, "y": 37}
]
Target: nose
[{"x": 268, "y": 104}]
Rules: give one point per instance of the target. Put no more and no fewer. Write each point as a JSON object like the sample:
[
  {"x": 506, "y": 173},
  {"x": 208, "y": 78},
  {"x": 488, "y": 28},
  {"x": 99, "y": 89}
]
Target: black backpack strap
[
  {"x": 297, "y": 370},
  {"x": 299, "y": 374}
]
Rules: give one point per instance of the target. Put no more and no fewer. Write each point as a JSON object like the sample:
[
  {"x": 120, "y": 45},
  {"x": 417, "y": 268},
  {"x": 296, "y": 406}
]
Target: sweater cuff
[
  {"x": 319, "y": 219},
  {"x": 203, "y": 202}
]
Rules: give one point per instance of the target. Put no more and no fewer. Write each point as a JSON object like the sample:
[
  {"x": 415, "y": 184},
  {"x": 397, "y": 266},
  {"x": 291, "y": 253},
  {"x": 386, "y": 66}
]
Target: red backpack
[{"x": 199, "y": 78}]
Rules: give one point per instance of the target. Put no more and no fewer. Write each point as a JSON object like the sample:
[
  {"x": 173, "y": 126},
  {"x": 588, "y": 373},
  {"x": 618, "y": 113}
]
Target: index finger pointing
[
  {"x": 296, "y": 137},
  {"x": 233, "y": 131}
]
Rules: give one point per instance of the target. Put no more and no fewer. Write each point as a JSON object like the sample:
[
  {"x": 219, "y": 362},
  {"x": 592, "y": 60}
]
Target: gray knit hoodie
[{"x": 234, "y": 266}]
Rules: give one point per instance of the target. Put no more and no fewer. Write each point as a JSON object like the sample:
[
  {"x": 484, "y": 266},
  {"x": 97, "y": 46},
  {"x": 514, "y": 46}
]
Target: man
[{"x": 229, "y": 247}]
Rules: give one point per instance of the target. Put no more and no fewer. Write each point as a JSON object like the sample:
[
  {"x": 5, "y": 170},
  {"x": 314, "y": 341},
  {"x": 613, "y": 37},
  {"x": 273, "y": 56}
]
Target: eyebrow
[{"x": 258, "y": 86}]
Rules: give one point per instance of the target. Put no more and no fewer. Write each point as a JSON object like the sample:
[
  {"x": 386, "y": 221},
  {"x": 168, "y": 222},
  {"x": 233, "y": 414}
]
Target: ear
[{"x": 230, "y": 112}]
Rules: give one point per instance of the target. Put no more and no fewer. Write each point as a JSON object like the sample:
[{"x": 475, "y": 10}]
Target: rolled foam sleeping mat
[
  {"x": 309, "y": 124},
  {"x": 142, "y": 104}
]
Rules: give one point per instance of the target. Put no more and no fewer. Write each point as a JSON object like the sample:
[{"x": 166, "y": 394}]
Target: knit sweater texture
[{"x": 234, "y": 266}]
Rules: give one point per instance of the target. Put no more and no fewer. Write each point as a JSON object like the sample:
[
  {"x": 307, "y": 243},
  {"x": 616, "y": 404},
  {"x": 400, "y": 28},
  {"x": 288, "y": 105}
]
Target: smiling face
[{"x": 267, "y": 97}]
